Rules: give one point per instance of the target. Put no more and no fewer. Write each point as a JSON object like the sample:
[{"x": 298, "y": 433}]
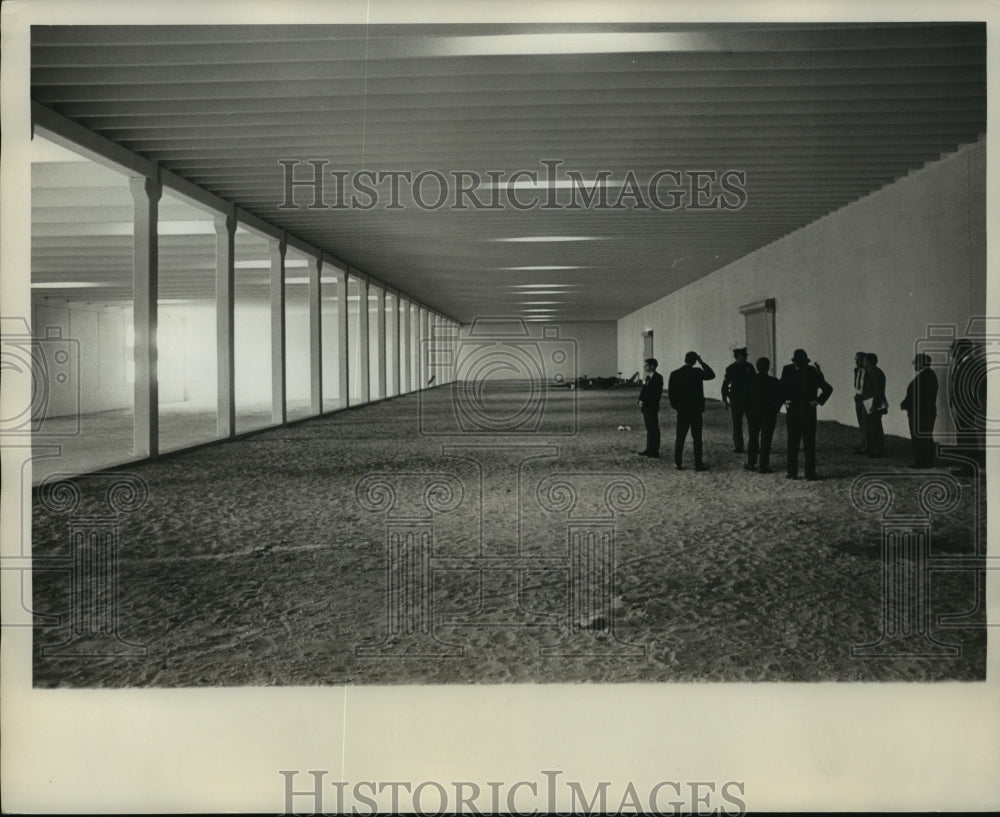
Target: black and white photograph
[{"x": 480, "y": 408}]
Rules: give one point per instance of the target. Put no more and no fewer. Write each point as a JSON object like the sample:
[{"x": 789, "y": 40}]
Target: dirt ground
[{"x": 359, "y": 549}]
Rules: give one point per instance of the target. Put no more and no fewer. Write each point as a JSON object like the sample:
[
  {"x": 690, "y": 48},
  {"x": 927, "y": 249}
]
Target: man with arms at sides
[
  {"x": 649, "y": 404},
  {"x": 875, "y": 405},
  {"x": 804, "y": 388},
  {"x": 859, "y": 408},
  {"x": 763, "y": 403},
  {"x": 734, "y": 393},
  {"x": 920, "y": 405},
  {"x": 686, "y": 393}
]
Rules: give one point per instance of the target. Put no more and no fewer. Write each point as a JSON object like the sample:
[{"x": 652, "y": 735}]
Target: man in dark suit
[
  {"x": 763, "y": 403},
  {"x": 734, "y": 393},
  {"x": 859, "y": 407},
  {"x": 803, "y": 388},
  {"x": 687, "y": 396},
  {"x": 649, "y": 404},
  {"x": 920, "y": 405},
  {"x": 874, "y": 404}
]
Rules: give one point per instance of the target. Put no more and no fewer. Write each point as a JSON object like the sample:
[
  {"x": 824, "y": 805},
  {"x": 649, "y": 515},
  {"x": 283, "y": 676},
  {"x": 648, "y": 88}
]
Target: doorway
[
  {"x": 760, "y": 341},
  {"x": 647, "y": 344}
]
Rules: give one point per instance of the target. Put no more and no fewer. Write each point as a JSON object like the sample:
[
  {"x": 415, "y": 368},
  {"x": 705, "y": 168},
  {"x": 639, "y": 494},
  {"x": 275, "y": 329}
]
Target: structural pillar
[
  {"x": 278, "y": 249},
  {"x": 405, "y": 346},
  {"x": 397, "y": 366},
  {"x": 145, "y": 284},
  {"x": 380, "y": 390},
  {"x": 225, "y": 266},
  {"x": 363, "y": 363},
  {"x": 315, "y": 338},
  {"x": 343, "y": 310}
]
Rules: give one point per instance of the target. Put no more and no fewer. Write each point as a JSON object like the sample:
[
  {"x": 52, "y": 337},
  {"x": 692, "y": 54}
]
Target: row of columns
[{"x": 409, "y": 371}]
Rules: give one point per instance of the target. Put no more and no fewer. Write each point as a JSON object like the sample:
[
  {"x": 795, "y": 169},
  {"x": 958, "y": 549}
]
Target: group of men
[
  {"x": 751, "y": 392},
  {"x": 747, "y": 392},
  {"x": 920, "y": 405}
]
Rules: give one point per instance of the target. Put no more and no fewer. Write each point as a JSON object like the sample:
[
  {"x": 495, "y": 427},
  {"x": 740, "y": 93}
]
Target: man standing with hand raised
[{"x": 687, "y": 396}]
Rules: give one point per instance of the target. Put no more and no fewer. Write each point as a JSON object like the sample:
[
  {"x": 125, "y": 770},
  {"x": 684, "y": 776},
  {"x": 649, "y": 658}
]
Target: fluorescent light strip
[
  {"x": 542, "y": 239},
  {"x": 264, "y": 263},
  {"x": 555, "y": 184},
  {"x": 541, "y": 286},
  {"x": 568, "y": 43},
  {"x": 76, "y": 285},
  {"x": 322, "y": 280},
  {"x": 540, "y": 268}
]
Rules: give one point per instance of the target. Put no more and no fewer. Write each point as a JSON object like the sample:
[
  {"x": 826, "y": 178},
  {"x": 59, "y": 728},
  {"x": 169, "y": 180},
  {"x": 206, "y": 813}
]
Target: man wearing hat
[
  {"x": 735, "y": 385},
  {"x": 920, "y": 405},
  {"x": 649, "y": 404},
  {"x": 803, "y": 388}
]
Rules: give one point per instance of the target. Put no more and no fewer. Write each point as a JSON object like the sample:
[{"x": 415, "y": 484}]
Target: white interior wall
[{"x": 871, "y": 276}]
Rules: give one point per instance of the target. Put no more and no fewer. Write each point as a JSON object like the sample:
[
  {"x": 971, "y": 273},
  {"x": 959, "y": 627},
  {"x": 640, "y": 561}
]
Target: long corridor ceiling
[{"x": 806, "y": 117}]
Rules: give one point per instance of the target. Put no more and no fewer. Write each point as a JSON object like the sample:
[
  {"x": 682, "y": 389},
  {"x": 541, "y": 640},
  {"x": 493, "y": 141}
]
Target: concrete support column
[
  {"x": 405, "y": 347},
  {"x": 145, "y": 284},
  {"x": 225, "y": 339},
  {"x": 343, "y": 308},
  {"x": 425, "y": 335},
  {"x": 397, "y": 366},
  {"x": 363, "y": 363},
  {"x": 315, "y": 338},
  {"x": 380, "y": 391},
  {"x": 278, "y": 249}
]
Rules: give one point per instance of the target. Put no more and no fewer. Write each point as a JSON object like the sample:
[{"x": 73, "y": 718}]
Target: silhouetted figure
[
  {"x": 859, "y": 408},
  {"x": 763, "y": 403},
  {"x": 920, "y": 405},
  {"x": 875, "y": 405},
  {"x": 649, "y": 404},
  {"x": 686, "y": 393},
  {"x": 734, "y": 393},
  {"x": 967, "y": 400},
  {"x": 803, "y": 388}
]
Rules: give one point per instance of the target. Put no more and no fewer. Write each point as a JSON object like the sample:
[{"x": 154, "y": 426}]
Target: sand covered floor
[{"x": 357, "y": 549}]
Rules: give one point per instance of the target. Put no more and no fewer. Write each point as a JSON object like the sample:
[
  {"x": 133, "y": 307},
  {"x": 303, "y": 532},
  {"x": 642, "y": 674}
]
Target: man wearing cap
[
  {"x": 649, "y": 404},
  {"x": 803, "y": 388},
  {"x": 687, "y": 396},
  {"x": 734, "y": 393},
  {"x": 920, "y": 405}
]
